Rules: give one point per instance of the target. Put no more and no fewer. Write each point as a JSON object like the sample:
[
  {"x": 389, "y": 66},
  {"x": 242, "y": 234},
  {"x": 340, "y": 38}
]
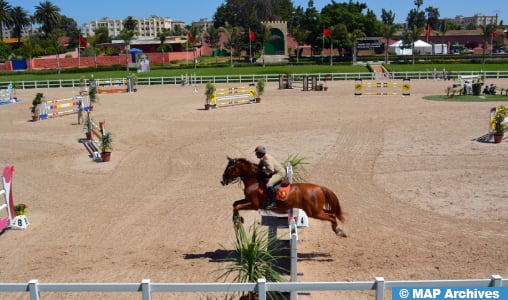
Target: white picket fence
[{"x": 146, "y": 287}]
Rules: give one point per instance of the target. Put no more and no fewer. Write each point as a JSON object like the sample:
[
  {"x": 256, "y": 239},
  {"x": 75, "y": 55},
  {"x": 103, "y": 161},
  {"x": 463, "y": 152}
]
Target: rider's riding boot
[{"x": 271, "y": 198}]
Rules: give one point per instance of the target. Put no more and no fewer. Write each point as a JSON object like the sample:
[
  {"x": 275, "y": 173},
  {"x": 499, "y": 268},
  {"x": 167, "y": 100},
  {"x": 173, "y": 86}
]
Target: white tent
[{"x": 420, "y": 47}]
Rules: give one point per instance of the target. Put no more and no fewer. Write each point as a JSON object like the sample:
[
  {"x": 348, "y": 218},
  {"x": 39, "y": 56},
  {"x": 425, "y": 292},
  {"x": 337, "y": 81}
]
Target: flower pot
[
  {"x": 105, "y": 156},
  {"x": 88, "y": 135},
  {"x": 258, "y": 100},
  {"x": 325, "y": 88},
  {"x": 498, "y": 138},
  {"x": 35, "y": 118},
  {"x": 207, "y": 106}
]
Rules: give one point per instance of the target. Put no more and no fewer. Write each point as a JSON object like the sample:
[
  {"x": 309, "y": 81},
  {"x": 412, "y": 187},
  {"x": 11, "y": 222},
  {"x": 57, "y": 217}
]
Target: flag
[
  {"x": 82, "y": 41},
  {"x": 326, "y": 32},
  {"x": 252, "y": 36},
  {"x": 189, "y": 38},
  {"x": 428, "y": 31},
  {"x": 494, "y": 34}
]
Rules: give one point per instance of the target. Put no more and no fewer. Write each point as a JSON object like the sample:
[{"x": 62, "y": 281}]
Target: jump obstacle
[
  {"x": 382, "y": 88},
  {"x": 61, "y": 107},
  {"x": 6, "y": 95},
  {"x": 114, "y": 85},
  {"x": 287, "y": 82},
  {"x": 233, "y": 96},
  {"x": 8, "y": 217}
]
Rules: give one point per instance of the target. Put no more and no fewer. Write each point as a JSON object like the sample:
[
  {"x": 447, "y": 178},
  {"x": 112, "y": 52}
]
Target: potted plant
[
  {"x": 255, "y": 256},
  {"x": 105, "y": 143},
  {"x": 210, "y": 94},
  {"x": 260, "y": 89},
  {"x": 35, "y": 108},
  {"x": 499, "y": 124},
  {"x": 87, "y": 126}
]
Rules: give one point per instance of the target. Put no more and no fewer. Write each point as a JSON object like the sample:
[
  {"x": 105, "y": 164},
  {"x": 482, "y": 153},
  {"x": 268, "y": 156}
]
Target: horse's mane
[{"x": 251, "y": 166}]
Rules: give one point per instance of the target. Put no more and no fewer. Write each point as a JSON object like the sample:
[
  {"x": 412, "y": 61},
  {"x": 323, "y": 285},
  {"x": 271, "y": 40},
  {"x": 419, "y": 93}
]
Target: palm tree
[
  {"x": 130, "y": 23},
  {"x": 92, "y": 43},
  {"x": 5, "y": 16},
  {"x": 162, "y": 38},
  {"x": 228, "y": 29},
  {"x": 48, "y": 15},
  {"x": 28, "y": 49},
  {"x": 19, "y": 19},
  {"x": 487, "y": 32},
  {"x": 388, "y": 29},
  {"x": 126, "y": 36},
  {"x": 54, "y": 39}
]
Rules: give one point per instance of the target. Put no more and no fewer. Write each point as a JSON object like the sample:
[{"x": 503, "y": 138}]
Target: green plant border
[{"x": 467, "y": 98}]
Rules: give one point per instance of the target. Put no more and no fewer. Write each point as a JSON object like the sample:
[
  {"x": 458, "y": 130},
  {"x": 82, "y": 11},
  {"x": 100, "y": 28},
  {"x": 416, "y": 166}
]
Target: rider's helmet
[{"x": 260, "y": 149}]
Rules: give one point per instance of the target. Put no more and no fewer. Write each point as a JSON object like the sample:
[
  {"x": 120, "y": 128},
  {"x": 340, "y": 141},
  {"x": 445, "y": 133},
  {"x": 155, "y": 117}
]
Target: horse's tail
[{"x": 332, "y": 203}]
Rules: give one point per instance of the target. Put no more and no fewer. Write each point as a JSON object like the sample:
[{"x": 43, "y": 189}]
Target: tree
[
  {"x": 130, "y": 23},
  {"x": 433, "y": 17},
  {"x": 20, "y": 19},
  {"x": 48, "y": 15},
  {"x": 5, "y": 16},
  {"x": 54, "y": 40},
  {"x": 102, "y": 34},
  {"x": 162, "y": 38},
  {"x": 228, "y": 30},
  {"x": 69, "y": 28},
  {"x": 92, "y": 45},
  {"x": 487, "y": 31},
  {"x": 388, "y": 28},
  {"x": 126, "y": 36},
  {"x": 212, "y": 37}
]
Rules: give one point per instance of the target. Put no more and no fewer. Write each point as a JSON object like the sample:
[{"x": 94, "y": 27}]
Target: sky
[{"x": 194, "y": 10}]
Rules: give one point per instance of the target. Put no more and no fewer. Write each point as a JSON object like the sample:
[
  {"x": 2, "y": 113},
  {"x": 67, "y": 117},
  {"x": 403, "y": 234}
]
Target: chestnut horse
[{"x": 317, "y": 201}]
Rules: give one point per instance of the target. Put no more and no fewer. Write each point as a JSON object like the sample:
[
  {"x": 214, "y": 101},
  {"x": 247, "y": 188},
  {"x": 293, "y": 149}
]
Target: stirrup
[{"x": 272, "y": 205}]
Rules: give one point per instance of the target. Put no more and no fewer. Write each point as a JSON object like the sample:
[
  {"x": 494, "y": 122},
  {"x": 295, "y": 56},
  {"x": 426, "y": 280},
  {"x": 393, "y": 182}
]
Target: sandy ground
[{"x": 424, "y": 198}]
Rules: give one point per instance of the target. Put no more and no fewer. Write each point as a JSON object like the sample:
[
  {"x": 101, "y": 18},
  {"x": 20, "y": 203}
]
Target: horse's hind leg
[{"x": 323, "y": 215}]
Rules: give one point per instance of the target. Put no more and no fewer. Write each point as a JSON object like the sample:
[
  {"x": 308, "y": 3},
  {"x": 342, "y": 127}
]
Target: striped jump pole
[
  {"x": 383, "y": 88},
  {"x": 62, "y": 107}
]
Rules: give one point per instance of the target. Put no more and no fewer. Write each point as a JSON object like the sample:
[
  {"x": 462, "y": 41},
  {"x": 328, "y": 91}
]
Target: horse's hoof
[{"x": 339, "y": 232}]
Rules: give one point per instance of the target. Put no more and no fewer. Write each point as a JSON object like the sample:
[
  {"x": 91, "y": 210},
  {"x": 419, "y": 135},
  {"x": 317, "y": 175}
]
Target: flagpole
[
  {"x": 331, "y": 51},
  {"x": 323, "y": 45},
  {"x": 250, "y": 47}
]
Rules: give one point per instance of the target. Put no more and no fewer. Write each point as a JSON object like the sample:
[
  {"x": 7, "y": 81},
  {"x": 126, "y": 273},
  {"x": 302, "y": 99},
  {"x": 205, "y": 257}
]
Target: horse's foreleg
[{"x": 238, "y": 205}]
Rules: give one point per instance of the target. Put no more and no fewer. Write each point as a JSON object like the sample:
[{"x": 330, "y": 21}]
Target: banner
[{"x": 252, "y": 36}]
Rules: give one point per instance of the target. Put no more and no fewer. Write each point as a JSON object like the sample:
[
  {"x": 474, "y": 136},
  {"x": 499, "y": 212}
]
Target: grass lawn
[
  {"x": 468, "y": 98},
  {"x": 449, "y": 67}
]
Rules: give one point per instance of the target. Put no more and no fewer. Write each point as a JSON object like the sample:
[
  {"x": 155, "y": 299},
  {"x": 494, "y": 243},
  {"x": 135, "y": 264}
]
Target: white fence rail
[
  {"x": 146, "y": 287},
  {"x": 177, "y": 80}
]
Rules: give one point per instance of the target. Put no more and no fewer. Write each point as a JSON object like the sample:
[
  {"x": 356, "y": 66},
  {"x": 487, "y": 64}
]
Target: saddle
[{"x": 282, "y": 189}]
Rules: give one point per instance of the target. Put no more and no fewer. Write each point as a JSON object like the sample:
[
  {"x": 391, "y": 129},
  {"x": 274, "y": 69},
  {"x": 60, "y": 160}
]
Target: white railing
[
  {"x": 248, "y": 78},
  {"x": 146, "y": 287}
]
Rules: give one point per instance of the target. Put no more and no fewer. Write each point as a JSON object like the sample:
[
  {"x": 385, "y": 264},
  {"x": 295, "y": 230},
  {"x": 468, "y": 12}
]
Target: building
[
  {"x": 476, "y": 20},
  {"x": 146, "y": 29},
  {"x": 203, "y": 23}
]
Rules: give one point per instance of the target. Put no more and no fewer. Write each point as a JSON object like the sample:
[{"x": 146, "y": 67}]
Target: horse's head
[
  {"x": 230, "y": 173},
  {"x": 237, "y": 168}
]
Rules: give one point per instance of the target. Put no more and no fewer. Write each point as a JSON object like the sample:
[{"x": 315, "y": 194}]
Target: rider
[{"x": 269, "y": 167}]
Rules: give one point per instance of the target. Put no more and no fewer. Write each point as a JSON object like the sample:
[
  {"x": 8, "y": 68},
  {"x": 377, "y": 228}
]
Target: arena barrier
[
  {"x": 382, "y": 88},
  {"x": 288, "y": 82},
  {"x": 8, "y": 217},
  {"x": 61, "y": 107},
  {"x": 233, "y": 96}
]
